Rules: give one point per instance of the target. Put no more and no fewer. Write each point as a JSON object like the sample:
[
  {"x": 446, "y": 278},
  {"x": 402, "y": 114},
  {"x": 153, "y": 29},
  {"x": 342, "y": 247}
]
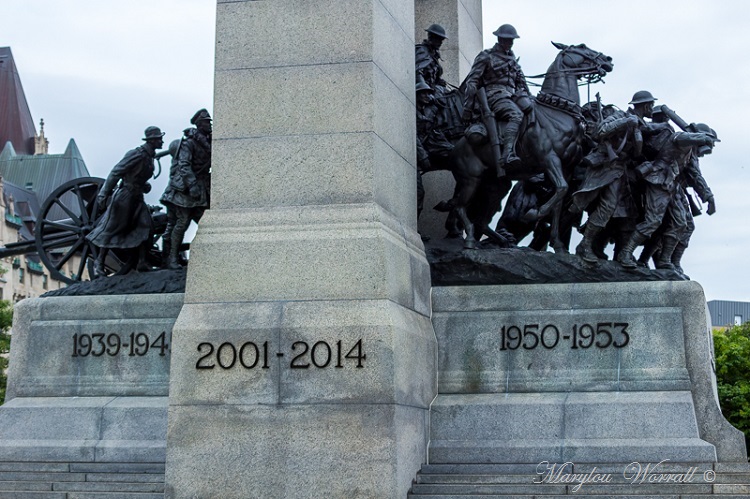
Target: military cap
[
  {"x": 202, "y": 114},
  {"x": 422, "y": 87}
]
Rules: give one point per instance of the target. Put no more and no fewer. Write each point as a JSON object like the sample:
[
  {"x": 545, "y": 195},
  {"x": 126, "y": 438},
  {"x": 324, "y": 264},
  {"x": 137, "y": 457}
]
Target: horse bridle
[{"x": 593, "y": 73}]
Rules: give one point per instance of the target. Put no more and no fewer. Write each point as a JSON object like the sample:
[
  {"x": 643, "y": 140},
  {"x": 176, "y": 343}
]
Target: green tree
[
  {"x": 6, "y": 320},
  {"x": 732, "y": 349}
]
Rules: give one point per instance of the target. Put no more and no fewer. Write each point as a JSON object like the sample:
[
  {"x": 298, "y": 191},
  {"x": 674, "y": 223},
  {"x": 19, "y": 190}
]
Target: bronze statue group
[
  {"x": 629, "y": 171},
  {"x": 127, "y": 224}
]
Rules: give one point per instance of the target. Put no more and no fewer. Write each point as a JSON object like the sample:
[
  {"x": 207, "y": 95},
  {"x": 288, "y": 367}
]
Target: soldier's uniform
[
  {"x": 427, "y": 59},
  {"x": 498, "y": 72},
  {"x": 126, "y": 223},
  {"x": 187, "y": 195}
]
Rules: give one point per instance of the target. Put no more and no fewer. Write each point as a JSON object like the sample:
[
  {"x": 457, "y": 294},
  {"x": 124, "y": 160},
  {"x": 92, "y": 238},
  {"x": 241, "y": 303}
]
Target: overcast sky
[{"x": 100, "y": 72}]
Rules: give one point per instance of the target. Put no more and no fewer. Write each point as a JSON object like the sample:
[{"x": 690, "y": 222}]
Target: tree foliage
[
  {"x": 6, "y": 321},
  {"x": 732, "y": 349}
]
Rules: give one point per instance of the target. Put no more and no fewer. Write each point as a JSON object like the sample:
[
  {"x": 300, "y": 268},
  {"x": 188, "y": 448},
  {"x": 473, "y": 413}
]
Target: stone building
[{"x": 28, "y": 175}]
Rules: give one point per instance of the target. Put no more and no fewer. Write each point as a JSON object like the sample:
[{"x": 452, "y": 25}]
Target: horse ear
[{"x": 559, "y": 46}]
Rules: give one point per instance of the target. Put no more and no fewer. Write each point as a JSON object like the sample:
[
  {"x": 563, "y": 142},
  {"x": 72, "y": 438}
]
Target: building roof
[
  {"x": 16, "y": 124},
  {"x": 25, "y": 207},
  {"x": 42, "y": 173}
]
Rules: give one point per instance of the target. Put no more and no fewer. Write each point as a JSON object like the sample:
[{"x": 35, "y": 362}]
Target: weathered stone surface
[
  {"x": 648, "y": 400},
  {"x": 44, "y": 363},
  {"x": 84, "y": 429},
  {"x": 134, "y": 283},
  {"x": 452, "y": 265},
  {"x": 237, "y": 449}
]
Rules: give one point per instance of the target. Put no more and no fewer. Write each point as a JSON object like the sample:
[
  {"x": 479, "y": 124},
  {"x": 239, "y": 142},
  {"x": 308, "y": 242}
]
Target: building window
[
  {"x": 20, "y": 276},
  {"x": 45, "y": 284},
  {"x": 737, "y": 320}
]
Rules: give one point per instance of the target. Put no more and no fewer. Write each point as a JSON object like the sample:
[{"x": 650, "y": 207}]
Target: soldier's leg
[
  {"x": 675, "y": 226},
  {"x": 684, "y": 241},
  {"x": 598, "y": 219},
  {"x": 182, "y": 220},
  {"x": 657, "y": 201},
  {"x": 509, "y": 113},
  {"x": 166, "y": 238}
]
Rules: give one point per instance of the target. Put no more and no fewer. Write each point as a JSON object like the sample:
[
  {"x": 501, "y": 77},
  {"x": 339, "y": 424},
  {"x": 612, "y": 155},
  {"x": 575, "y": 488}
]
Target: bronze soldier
[
  {"x": 126, "y": 223},
  {"x": 498, "y": 72},
  {"x": 427, "y": 59},
  {"x": 661, "y": 193},
  {"x": 187, "y": 195},
  {"x": 621, "y": 142}
]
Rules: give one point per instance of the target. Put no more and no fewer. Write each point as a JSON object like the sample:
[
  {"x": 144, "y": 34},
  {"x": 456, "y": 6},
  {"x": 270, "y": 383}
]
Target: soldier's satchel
[{"x": 645, "y": 168}]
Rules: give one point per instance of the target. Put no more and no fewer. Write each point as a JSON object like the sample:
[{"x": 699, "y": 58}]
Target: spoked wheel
[{"x": 66, "y": 218}]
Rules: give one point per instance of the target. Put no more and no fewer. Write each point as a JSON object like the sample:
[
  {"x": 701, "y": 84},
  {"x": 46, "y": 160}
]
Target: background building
[
  {"x": 726, "y": 313},
  {"x": 28, "y": 174}
]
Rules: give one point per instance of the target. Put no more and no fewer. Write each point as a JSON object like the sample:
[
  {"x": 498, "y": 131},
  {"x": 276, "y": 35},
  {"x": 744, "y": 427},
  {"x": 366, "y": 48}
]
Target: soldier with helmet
[
  {"x": 607, "y": 186},
  {"x": 670, "y": 150},
  {"x": 498, "y": 72},
  {"x": 427, "y": 59},
  {"x": 126, "y": 222},
  {"x": 187, "y": 195}
]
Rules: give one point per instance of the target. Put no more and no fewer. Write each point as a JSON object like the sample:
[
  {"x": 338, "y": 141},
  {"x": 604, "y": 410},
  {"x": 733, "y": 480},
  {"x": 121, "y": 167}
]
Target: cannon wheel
[{"x": 58, "y": 239}]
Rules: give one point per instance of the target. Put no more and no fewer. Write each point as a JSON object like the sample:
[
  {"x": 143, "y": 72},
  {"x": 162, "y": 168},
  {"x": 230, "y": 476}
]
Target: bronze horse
[{"x": 552, "y": 145}]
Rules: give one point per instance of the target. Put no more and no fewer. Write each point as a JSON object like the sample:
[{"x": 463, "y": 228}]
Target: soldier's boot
[
  {"x": 509, "y": 144},
  {"x": 648, "y": 251},
  {"x": 166, "y": 249},
  {"x": 677, "y": 257},
  {"x": 584, "y": 249},
  {"x": 668, "y": 245},
  {"x": 99, "y": 269},
  {"x": 178, "y": 233},
  {"x": 625, "y": 256}
]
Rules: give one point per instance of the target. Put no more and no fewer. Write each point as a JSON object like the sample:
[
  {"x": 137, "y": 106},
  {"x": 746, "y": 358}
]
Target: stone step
[
  {"x": 607, "y": 496},
  {"x": 522, "y": 481},
  {"x": 37, "y": 480},
  {"x": 428, "y": 478}
]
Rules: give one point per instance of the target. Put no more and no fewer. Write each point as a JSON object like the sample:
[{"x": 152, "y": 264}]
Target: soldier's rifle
[{"x": 488, "y": 118}]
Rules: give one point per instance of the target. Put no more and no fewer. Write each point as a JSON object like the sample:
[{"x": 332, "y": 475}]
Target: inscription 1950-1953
[
  {"x": 579, "y": 336},
  {"x": 250, "y": 355}
]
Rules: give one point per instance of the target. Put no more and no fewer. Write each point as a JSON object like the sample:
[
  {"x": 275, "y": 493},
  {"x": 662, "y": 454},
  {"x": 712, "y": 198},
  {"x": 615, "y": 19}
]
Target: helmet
[
  {"x": 642, "y": 96},
  {"x": 506, "y": 31},
  {"x": 657, "y": 110},
  {"x": 437, "y": 30},
  {"x": 702, "y": 127},
  {"x": 422, "y": 86},
  {"x": 152, "y": 132}
]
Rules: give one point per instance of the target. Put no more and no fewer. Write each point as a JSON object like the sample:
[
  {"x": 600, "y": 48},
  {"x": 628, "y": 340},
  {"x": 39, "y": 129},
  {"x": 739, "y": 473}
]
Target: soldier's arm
[
  {"x": 687, "y": 139},
  {"x": 184, "y": 165},
  {"x": 473, "y": 80},
  {"x": 694, "y": 178},
  {"x": 131, "y": 158},
  {"x": 613, "y": 125}
]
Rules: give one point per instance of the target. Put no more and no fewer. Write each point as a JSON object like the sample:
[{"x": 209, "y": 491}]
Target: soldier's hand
[
  {"x": 101, "y": 201},
  {"x": 195, "y": 191},
  {"x": 711, "y": 206}
]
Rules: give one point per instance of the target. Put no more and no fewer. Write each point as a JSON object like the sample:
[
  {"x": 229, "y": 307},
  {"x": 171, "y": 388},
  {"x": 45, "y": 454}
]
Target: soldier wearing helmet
[
  {"x": 187, "y": 195},
  {"x": 498, "y": 72},
  {"x": 427, "y": 59},
  {"x": 606, "y": 189}
]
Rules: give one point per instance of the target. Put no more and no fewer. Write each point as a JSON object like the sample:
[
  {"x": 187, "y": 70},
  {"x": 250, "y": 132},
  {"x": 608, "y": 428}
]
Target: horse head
[{"x": 580, "y": 61}]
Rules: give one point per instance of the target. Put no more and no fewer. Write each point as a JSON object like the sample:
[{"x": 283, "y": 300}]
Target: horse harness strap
[{"x": 560, "y": 103}]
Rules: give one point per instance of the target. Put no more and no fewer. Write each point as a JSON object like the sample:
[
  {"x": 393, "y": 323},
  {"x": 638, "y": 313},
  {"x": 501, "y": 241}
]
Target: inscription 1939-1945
[
  {"x": 583, "y": 336},
  {"x": 250, "y": 355},
  {"x": 135, "y": 344}
]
